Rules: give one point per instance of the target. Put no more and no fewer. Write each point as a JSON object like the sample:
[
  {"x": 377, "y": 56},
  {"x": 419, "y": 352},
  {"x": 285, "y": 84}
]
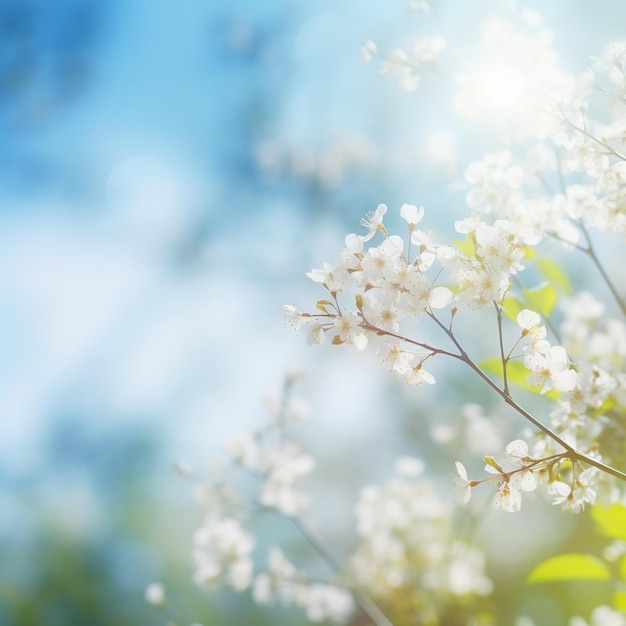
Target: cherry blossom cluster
[
  {"x": 546, "y": 121},
  {"x": 514, "y": 209},
  {"x": 561, "y": 175},
  {"x": 549, "y": 365},
  {"x": 485, "y": 277},
  {"x": 516, "y": 471},
  {"x": 408, "y": 66},
  {"x": 393, "y": 282},
  {"x": 581, "y": 417},
  {"x": 282, "y": 583},
  {"x": 330, "y": 165},
  {"x": 571, "y": 166},
  {"x": 407, "y": 547},
  {"x": 391, "y": 286},
  {"x": 374, "y": 290},
  {"x": 225, "y": 548},
  {"x": 405, "y": 541}
]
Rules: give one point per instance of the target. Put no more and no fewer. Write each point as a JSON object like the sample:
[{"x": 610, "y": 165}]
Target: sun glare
[
  {"x": 503, "y": 80},
  {"x": 502, "y": 88}
]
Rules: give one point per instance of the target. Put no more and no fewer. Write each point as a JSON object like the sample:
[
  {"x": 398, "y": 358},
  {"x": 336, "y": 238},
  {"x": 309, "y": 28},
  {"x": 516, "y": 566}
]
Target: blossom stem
[
  {"x": 504, "y": 358},
  {"x": 572, "y": 453},
  {"x": 590, "y": 251},
  {"x": 584, "y": 131},
  {"x": 592, "y": 255},
  {"x": 380, "y": 331},
  {"x": 608, "y": 91},
  {"x": 372, "y": 610},
  {"x": 549, "y": 460}
]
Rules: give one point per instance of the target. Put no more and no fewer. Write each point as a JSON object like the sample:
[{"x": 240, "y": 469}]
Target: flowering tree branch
[
  {"x": 371, "y": 609},
  {"x": 571, "y": 452}
]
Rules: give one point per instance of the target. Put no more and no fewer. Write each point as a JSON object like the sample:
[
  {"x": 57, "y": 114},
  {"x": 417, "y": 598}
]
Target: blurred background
[{"x": 168, "y": 173}]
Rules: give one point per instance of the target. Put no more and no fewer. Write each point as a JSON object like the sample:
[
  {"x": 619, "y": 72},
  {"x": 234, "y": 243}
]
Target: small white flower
[
  {"x": 409, "y": 466},
  {"x": 283, "y": 467},
  {"x": 155, "y": 594},
  {"x": 315, "y": 331},
  {"x": 412, "y": 214},
  {"x": 508, "y": 498},
  {"x": 222, "y": 551},
  {"x": 244, "y": 450},
  {"x": 461, "y": 481},
  {"x": 417, "y": 375},
  {"x": 549, "y": 366},
  {"x": 530, "y": 323},
  {"x": 573, "y": 498},
  {"x": 440, "y": 297},
  {"x": 517, "y": 448},
  {"x": 334, "y": 279},
  {"x": 369, "y": 50},
  {"x": 395, "y": 357},
  {"x": 292, "y": 316},
  {"x": 349, "y": 329},
  {"x": 326, "y": 602},
  {"x": 374, "y": 222}
]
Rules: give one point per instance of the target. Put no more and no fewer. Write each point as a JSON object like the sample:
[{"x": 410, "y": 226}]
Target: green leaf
[
  {"x": 611, "y": 521},
  {"x": 570, "y": 567},
  {"x": 555, "y": 275},
  {"x": 619, "y": 600},
  {"x": 512, "y": 306},
  {"x": 491, "y": 366},
  {"x": 541, "y": 299},
  {"x": 516, "y": 373},
  {"x": 466, "y": 246}
]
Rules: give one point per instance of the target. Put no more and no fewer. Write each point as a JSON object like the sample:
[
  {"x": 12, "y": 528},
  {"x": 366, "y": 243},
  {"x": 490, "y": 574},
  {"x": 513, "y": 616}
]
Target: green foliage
[
  {"x": 541, "y": 299},
  {"x": 555, "y": 275},
  {"x": 570, "y": 567},
  {"x": 512, "y": 306},
  {"x": 466, "y": 246},
  {"x": 516, "y": 373},
  {"x": 611, "y": 521}
]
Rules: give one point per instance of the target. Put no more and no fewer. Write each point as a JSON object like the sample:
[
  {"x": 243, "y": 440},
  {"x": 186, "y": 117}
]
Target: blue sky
[{"x": 144, "y": 253}]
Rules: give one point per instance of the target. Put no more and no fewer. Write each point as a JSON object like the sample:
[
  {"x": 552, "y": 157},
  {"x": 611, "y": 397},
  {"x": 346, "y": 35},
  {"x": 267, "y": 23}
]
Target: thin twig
[
  {"x": 573, "y": 453},
  {"x": 363, "y": 600},
  {"x": 587, "y": 134},
  {"x": 596, "y": 261},
  {"x": 380, "y": 331},
  {"x": 504, "y": 359}
]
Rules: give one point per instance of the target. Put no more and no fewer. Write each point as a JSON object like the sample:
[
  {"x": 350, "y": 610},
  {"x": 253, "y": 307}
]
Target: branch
[
  {"x": 573, "y": 453},
  {"x": 372, "y": 610},
  {"x": 587, "y": 134},
  {"x": 380, "y": 331},
  {"x": 592, "y": 255},
  {"x": 503, "y": 358}
]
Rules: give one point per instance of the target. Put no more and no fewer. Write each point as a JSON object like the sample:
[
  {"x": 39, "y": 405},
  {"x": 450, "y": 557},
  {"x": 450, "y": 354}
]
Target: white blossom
[
  {"x": 155, "y": 594},
  {"x": 222, "y": 551}
]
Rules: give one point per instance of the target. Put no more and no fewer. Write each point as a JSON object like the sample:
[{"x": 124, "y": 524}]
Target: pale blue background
[{"x": 145, "y": 255}]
